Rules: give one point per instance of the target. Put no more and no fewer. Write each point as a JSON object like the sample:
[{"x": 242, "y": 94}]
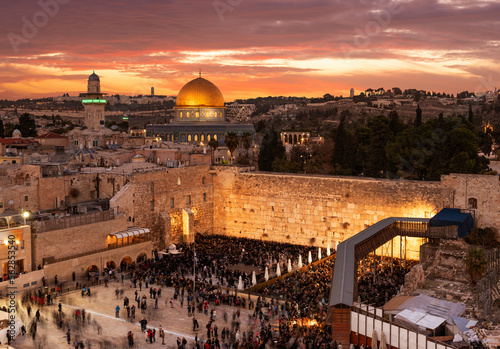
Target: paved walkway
[{"x": 101, "y": 307}]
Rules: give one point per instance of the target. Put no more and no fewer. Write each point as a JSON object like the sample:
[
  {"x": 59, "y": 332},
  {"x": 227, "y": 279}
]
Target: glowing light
[{"x": 88, "y": 101}]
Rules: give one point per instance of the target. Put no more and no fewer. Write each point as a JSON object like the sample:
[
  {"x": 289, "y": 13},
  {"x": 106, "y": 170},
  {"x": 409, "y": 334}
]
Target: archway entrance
[
  {"x": 110, "y": 265},
  {"x": 126, "y": 261},
  {"x": 141, "y": 257},
  {"x": 93, "y": 270}
]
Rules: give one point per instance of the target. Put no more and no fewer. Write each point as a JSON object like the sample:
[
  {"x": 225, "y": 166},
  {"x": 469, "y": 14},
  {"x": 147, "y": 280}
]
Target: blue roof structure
[{"x": 453, "y": 216}]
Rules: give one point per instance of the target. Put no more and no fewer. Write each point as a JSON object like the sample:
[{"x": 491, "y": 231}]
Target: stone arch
[
  {"x": 92, "y": 269},
  {"x": 111, "y": 264},
  {"x": 125, "y": 262},
  {"x": 141, "y": 257}
]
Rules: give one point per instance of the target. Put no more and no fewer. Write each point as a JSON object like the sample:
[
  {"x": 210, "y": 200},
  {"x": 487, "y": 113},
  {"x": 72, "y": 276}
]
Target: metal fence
[{"x": 73, "y": 221}]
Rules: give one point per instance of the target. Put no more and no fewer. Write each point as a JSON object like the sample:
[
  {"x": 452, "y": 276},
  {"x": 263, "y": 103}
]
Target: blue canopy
[{"x": 453, "y": 216}]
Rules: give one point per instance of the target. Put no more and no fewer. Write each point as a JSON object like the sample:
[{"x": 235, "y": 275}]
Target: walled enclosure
[
  {"x": 157, "y": 200},
  {"x": 316, "y": 210},
  {"x": 63, "y": 243}
]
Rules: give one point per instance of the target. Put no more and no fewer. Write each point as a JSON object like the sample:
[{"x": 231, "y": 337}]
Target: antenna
[{"x": 200, "y": 72}]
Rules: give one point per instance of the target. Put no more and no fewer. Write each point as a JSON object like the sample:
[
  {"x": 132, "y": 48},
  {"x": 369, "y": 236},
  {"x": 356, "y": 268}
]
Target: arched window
[
  {"x": 189, "y": 138},
  {"x": 178, "y": 180},
  {"x": 187, "y": 114},
  {"x": 472, "y": 203},
  {"x": 208, "y": 138},
  {"x": 202, "y": 138},
  {"x": 196, "y": 138},
  {"x": 197, "y": 114},
  {"x": 215, "y": 137},
  {"x": 180, "y": 114}
]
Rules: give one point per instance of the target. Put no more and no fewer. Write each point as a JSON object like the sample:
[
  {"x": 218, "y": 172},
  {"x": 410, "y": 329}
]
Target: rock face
[
  {"x": 449, "y": 262},
  {"x": 413, "y": 280}
]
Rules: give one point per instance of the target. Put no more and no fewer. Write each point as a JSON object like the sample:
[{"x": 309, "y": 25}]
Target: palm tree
[
  {"x": 246, "y": 141},
  {"x": 214, "y": 144},
  {"x": 232, "y": 141}
]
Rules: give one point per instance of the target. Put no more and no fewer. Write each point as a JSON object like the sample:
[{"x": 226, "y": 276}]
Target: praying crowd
[
  {"x": 389, "y": 277},
  {"x": 289, "y": 313}
]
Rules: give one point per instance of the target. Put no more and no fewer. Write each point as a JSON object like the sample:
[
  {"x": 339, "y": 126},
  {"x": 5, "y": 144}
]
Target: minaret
[{"x": 94, "y": 104}]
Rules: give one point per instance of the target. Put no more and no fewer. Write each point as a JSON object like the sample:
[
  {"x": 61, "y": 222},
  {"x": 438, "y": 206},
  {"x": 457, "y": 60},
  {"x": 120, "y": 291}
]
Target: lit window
[
  {"x": 189, "y": 138},
  {"x": 180, "y": 114},
  {"x": 196, "y": 138},
  {"x": 197, "y": 114},
  {"x": 178, "y": 180},
  {"x": 215, "y": 137},
  {"x": 472, "y": 203},
  {"x": 202, "y": 138}
]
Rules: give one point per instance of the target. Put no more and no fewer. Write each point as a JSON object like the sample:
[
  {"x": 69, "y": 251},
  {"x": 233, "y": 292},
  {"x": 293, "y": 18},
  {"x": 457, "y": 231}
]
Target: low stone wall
[
  {"x": 24, "y": 282},
  {"x": 65, "y": 269}
]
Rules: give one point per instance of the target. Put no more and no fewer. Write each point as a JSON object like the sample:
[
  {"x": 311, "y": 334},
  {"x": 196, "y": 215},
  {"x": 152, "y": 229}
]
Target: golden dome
[{"x": 199, "y": 93}]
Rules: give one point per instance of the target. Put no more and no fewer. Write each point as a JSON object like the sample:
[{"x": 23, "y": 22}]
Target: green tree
[
  {"x": 418, "y": 118},
  {"x": 214, "y": 144},
  {"x": 27, "y": 125},
  {"x": 476, "y": 262},
  {"x": 471, "y": 115},
  {"x": 380, "y": 136},
  {"x": 232, "y": 141},
  {"x": 246, "y": 141},
  {"x": 271, "y": 149}
]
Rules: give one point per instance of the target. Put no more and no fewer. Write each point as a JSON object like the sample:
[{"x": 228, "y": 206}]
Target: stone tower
[{"x": 94, "y": 104}]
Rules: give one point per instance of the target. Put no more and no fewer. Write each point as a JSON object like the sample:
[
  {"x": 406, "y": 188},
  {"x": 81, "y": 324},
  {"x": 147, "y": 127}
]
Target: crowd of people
[
  {"x": 308, "y": 290},
  {"x": 389, "y": 276},
  {"x": 290, "y": 312}
]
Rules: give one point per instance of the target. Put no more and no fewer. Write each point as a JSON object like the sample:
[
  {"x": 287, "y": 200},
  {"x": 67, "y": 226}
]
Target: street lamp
[{"x": 25, "y": 215}]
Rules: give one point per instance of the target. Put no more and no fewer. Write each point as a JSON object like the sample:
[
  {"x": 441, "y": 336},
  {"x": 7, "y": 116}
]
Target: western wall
[{"x": 317, "y": 210}]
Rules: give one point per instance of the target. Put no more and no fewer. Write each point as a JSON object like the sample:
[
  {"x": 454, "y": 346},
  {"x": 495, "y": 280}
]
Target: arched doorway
[
  {"x": 111, "y": 265},
  {"x": 141, "y": 257},
  {"x": 126, "y": 261},
  {"x": 93, "y": 270}
]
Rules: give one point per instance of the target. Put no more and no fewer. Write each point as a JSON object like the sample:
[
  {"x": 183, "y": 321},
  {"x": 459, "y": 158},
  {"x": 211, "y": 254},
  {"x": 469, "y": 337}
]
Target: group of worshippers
[{"x": 389, "y": 276}]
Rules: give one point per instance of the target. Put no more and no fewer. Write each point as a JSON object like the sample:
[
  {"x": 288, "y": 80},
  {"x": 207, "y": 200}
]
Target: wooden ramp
[{"x": 341, "y": 325}]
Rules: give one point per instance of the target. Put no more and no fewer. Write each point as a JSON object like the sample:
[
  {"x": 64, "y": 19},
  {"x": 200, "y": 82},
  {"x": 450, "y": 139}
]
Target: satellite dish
[{"x": 11, "y": 202}]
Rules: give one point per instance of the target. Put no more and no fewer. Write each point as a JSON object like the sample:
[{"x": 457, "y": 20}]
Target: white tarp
[{"x": 421, "y": 319}]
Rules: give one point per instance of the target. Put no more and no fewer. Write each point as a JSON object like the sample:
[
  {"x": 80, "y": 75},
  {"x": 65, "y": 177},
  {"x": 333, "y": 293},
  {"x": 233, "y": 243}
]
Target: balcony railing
[{"x": 73, "y": 221}]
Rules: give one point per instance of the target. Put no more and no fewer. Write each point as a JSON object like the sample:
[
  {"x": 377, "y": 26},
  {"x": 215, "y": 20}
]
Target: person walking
[
  {"x": 162, "y": 335},
  {"x": 117, "y": 310},
  {"x": 130, "y": 338},
  {"x": 68, "y": 336}
]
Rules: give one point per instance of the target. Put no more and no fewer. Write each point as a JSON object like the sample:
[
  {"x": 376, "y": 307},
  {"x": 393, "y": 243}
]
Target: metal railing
[{"x": 73, "y": 221}]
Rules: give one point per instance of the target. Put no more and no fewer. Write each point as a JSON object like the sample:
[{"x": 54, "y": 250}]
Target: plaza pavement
[{"x": 101, "y": 307}]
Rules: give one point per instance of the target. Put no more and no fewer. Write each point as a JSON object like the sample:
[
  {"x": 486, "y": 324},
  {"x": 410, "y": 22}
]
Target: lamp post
[{"x": 25, "y": 215}]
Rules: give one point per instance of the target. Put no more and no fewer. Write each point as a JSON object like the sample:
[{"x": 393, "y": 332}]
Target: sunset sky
[{"x": 248, "y": 48}]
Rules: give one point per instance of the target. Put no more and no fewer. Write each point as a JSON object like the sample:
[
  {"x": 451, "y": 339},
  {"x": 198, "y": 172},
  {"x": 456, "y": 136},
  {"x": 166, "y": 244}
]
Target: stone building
[{"x": 199, "y": 116}]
